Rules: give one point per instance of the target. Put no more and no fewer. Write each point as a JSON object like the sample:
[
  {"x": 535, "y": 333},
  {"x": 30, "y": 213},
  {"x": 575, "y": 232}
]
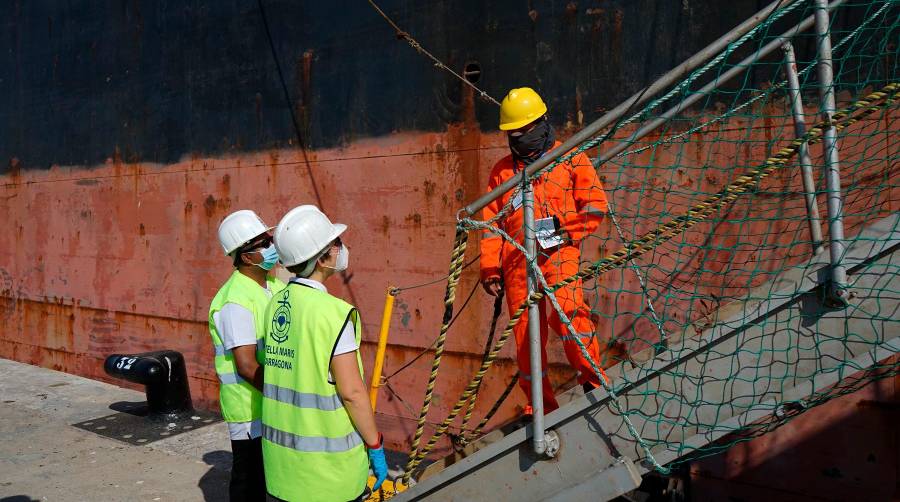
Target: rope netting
[{"x": 706, "y": 214}]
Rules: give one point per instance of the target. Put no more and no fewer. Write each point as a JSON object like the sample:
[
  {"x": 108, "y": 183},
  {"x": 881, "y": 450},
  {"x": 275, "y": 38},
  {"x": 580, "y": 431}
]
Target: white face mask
[{"x": 343, "y": 260}]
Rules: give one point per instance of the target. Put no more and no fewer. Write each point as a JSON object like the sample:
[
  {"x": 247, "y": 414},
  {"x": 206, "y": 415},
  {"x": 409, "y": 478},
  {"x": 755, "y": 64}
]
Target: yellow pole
[{"x": 382, "y": 345}]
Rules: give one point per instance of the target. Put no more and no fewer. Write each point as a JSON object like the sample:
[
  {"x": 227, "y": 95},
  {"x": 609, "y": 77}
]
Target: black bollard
[{"x": 164, "y": 374}]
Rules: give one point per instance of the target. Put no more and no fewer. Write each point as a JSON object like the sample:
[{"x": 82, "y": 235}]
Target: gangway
[
  {"x": 807, "y": 330},
  {"x": 792, "y": 331}
]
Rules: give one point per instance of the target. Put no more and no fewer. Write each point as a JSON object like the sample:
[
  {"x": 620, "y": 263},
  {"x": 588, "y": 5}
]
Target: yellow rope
[
  {"x": 498, "y": 310},
  {"x": 476, "y": 433},
  {"x": 456, "y": 267}
]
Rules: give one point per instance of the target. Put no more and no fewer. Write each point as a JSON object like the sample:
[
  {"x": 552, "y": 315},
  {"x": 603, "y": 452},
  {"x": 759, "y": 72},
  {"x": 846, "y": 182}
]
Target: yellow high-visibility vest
[
  {"x": 239, "y": 400},
  {"x": 311, "y": 450}
]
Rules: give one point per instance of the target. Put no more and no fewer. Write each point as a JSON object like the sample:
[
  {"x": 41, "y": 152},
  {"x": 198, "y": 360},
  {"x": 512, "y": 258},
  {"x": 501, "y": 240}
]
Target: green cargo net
[
  {"x": 707, "y": 217},
  {"x": 727, "y": 260}
]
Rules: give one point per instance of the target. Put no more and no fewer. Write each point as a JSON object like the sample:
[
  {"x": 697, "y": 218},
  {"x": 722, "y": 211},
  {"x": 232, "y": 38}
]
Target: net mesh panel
[
  {"x": 720, "y": 263},
  {"x": 762, "y": 233}
]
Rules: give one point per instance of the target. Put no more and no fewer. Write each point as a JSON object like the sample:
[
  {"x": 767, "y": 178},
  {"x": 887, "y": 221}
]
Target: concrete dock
[{"x": 43, "y": 457}]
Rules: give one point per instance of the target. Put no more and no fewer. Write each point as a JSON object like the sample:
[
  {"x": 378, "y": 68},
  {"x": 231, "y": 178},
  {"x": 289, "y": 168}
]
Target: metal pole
[
  {"x": 672, "y": 76},
  {"x": 809, "y": 184},
  {"x": 534, "y": 327},
  {"x": 701, "y": 93},
  {"x": 838, "y": 287}
]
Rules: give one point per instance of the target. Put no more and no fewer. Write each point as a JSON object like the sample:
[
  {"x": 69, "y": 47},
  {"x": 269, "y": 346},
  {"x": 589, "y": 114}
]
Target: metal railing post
[
  {"x": 809, "y": 184},
  {"x": 534, "y": 327},
  {"x": 838, "y": 287}
]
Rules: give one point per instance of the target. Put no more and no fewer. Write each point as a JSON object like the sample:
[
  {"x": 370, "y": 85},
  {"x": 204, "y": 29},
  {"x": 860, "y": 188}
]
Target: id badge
[
  {"x": 517, "y": 200},
  {"x": 546, "y": 233}
]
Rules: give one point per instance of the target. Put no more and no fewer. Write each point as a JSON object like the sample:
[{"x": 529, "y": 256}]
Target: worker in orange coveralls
[{"x": 569, "y": 204}]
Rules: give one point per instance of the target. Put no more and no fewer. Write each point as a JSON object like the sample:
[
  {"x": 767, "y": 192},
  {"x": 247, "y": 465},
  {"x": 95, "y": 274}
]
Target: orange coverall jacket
[{"x": 571, "y": 191}]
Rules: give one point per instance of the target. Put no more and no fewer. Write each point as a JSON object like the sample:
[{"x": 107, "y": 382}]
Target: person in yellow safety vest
[
  {"x": 237, "y": 327},
  {"x": 318, "y": 424}
]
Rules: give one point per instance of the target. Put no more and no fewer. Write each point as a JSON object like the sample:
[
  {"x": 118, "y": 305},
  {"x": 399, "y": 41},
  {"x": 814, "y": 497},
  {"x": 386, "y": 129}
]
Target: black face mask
[{"x": 534, "y": 143}]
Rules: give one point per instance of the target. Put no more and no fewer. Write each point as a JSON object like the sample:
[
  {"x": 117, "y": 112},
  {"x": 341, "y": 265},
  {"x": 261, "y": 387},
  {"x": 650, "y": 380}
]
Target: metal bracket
[
  {"x": 551, "y": 439},
  {"x": 836, "y": 296}
]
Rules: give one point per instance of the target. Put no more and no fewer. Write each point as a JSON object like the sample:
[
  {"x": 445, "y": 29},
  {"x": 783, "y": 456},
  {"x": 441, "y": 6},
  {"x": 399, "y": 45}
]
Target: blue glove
[{"x": 378, "y": 463}]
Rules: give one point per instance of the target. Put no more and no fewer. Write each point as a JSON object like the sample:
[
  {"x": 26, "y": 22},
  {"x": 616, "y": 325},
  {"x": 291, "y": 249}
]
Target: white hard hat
[
  {"x": 239, "y": 228},
  {"x": 303, "y": 233}
]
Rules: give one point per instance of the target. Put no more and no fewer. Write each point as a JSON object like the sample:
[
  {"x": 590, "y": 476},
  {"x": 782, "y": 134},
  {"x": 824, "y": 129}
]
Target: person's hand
[
  {"x": 492, "y": 285},
  {"x": 378, "y": 463}
]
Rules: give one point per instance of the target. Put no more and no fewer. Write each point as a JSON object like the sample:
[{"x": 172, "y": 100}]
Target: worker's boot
[{"x": 527, "y": 414}]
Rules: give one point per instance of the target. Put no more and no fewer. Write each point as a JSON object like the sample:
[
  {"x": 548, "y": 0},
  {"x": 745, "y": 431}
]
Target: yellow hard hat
[{"x": 520, "y": 107}]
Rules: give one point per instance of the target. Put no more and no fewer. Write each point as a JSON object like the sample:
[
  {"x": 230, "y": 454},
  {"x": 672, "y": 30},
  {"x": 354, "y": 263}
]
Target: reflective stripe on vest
[
  {"x": 527, "y": 378},
  {"x": 239, "y": 401},
  {"x": 311, "y": 444},
  {"x": 594, "y": 211},
  {"x": 230, "y": 378},
  {"x": 581, "y": 336},
  {"x": 311, "y": 449},
  {"x": 302, "y": 399}
]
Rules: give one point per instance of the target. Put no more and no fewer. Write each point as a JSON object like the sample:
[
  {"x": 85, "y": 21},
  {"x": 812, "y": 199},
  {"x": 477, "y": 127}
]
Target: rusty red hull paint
[
  {"x": 123, "y": 257},
  {"x": 846, "y": 450}
]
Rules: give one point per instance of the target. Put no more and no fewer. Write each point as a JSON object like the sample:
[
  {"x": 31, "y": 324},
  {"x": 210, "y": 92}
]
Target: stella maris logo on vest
[{"x": 281, "y": 320}]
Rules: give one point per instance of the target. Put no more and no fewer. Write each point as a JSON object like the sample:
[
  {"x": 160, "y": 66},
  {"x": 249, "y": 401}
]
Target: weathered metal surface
[
  {"x": 134, "y": 428},
  {"x": 155, "y": 82}
]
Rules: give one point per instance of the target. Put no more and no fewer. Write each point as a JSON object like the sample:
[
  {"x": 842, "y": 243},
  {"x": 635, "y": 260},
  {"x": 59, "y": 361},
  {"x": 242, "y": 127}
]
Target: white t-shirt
[{"x": 237, "y": 328}]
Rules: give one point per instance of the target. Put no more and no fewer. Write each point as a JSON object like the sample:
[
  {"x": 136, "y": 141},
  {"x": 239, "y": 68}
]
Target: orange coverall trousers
[{"x": 557, "y": 265}]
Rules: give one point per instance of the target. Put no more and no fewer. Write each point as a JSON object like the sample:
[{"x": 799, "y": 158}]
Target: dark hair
[
  {"x": 300, "y": 267},
  {"x": 246, "y": 248},
  {"x": 296, "y": 269},
  {"x": 236, "y": 257}
]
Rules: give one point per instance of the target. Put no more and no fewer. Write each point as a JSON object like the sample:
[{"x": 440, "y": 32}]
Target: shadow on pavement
[{"x": 214, "y": 484}]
